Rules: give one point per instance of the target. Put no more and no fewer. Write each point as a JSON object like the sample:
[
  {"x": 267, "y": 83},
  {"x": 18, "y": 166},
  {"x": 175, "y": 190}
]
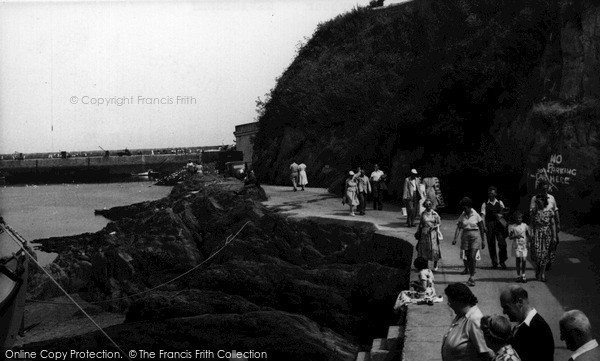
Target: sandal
[{"x": 470, "y": 282}]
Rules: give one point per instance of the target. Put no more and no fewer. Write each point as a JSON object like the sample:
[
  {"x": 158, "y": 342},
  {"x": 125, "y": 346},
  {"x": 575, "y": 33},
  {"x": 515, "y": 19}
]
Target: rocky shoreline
[{"x": 295, "y": 289}]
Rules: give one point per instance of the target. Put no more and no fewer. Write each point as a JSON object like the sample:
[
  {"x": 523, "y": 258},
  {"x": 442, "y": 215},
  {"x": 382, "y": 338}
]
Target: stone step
[
  {"x": 393, "y": 337},
  {"x": 379, "y": 344},
  {"x": 379, "y": 355},
  {"x": 363, "y": 356},
  {"x": 393, "y": 332}
]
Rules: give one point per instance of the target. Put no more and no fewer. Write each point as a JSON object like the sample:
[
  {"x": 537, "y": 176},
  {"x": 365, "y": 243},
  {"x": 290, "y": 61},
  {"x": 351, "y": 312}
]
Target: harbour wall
[{"x": 90, "y": 169}]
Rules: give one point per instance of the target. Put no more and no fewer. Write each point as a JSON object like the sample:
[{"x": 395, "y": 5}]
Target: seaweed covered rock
[
  {"x": 280, "y": 335},
  {"x": 211, "y": 251}
]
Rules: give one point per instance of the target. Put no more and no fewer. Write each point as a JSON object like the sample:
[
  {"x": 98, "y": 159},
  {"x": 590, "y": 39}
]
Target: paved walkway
[{"x": 573, "y": 283}]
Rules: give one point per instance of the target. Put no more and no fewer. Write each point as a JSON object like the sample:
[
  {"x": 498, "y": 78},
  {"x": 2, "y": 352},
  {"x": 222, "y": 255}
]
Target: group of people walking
[
  {"x": 474, "y": 230},
  {"x": 473, "y": 337},
  {"x": 298, "y": 176},
  {"x": 358, "y": 185},
  {"x": 490, "y": 228}
]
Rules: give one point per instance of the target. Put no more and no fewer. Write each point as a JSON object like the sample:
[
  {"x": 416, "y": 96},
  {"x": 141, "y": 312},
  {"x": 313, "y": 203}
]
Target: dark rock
[
  {"x": 283, "y": 336},
  {"x": 193, "y": 302},
  {"x": 210, "y": 249}
]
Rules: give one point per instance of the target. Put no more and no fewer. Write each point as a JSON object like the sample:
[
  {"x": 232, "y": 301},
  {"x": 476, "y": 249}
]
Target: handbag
[{"x": 418, "y": 234}]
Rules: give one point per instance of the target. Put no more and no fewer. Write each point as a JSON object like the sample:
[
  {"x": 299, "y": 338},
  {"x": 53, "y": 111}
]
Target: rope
[
  {"x": 21, "y": 243},
  {"x": 228, "y": 240}
]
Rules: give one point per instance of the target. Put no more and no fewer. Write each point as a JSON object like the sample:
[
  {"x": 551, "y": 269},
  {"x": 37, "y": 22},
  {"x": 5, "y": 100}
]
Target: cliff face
[{"x": 457, "y": 89}]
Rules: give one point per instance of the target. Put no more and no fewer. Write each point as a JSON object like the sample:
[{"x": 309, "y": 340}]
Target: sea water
[{"x": 53, "y": 210}]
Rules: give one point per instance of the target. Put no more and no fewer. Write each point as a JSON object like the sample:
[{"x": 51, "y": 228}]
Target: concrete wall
[
  {"x": 147, "y": 160},
  {"x": 244, "y": 140},
  {"x": 89, "y": 168}
]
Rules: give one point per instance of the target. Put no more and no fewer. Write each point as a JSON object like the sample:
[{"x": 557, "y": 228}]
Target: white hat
[
  {"x": 413, "y": 171},
  {"x": 351, "y": 173}
]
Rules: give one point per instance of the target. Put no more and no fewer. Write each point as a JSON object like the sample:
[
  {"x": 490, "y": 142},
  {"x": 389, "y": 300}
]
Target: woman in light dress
[
  {"x": 423, "y": 289},
  {"x": 302, "y": 179},
  {"x": 350, "y": 192},
  {"x": 428, "y": 245},
  {"x": 471, "y": 229}
]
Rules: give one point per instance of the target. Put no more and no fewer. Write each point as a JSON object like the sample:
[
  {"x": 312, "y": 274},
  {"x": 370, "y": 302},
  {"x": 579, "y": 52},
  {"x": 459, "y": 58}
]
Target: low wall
[{"x": 89, "y": 168}]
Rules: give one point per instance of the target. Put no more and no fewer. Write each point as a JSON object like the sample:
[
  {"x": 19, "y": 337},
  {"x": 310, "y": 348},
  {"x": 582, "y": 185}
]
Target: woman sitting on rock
[{"x": 423, "y": 289}]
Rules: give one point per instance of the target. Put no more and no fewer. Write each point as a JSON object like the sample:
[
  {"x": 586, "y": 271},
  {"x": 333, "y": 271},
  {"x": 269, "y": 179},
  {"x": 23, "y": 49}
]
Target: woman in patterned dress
[
  {"x": 497, "y": 330},
  {"x": 544, "y": 236},
  {"x": 428, "y": 245}
]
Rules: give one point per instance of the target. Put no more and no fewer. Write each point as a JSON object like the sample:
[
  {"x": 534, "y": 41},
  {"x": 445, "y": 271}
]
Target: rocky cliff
[
  {"x": 476, "y": 92},
  {"x": 297, "y": 290}
]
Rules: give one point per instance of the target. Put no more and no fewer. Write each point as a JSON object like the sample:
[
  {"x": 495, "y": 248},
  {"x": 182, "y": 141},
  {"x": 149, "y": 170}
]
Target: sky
[{"x": 79, "y": 75}]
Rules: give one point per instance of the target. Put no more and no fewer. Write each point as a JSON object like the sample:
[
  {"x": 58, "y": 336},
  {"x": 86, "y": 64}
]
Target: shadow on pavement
[
  {"x": 340, "y": 213},
  {"x": 394, "y": 225},
  {"x": 575, "y": 279}
]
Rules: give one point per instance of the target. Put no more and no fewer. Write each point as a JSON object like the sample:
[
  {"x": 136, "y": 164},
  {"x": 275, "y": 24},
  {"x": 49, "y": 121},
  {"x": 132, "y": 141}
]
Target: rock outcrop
[
  {"x": 280, "y": 335},
  {"x": 235, "y": 262},
  {"x": 473, "y": 92}
]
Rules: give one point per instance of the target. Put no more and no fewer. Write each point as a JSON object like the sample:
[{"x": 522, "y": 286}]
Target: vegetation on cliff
[{"x": 447, "y": 87}]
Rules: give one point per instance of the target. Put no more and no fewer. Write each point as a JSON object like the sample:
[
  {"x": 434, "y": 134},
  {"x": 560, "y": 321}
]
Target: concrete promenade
[{"x": 573, "y": 283}]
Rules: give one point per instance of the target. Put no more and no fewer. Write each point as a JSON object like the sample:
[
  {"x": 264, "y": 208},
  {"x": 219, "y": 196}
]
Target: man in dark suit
[
  {"x": 532, "y": 337},
  {"x": 576, "y": 331}
]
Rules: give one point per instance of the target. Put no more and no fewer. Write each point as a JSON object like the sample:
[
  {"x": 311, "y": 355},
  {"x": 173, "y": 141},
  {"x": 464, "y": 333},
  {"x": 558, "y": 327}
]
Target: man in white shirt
[
  {"x": 491, "y": 212},
  {"x": 576, "y": 331},
  {"x": 377, "y": 178},
  {"x": 532, "y": 337}
]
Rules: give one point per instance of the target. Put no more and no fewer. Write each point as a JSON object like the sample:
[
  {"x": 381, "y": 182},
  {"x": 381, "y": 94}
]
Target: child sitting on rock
[{"x": 423, "y": 289}]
